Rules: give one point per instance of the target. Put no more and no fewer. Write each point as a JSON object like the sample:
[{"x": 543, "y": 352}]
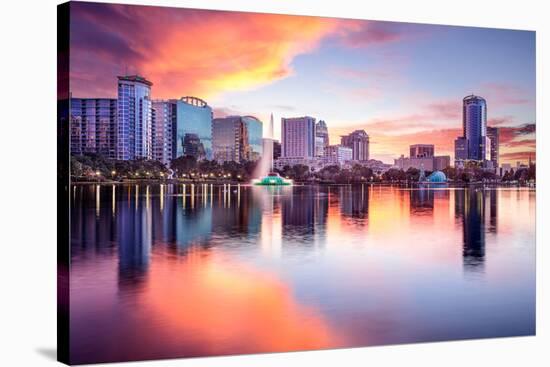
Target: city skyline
[{"x": 374, "y": 74}]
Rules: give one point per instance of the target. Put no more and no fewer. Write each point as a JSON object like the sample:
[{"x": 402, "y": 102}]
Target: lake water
[{"x": 161, "y": 271}]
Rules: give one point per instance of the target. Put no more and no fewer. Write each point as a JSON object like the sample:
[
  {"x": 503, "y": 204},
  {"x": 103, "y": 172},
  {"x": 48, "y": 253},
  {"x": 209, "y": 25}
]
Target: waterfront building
[
  {"x": 254, "y": 133},
  {"x": 322, "y": 138},
  {"x": 230, "y": 139},
  {"x": 276, "y": 149},
  {"x": 422, "y": 150},
  {"x": 193, "y": 147},
  {"x": 405, "y": 163},
  {"x": 193, "y": 128},
  {"x": 441, "y": 162},
  {"x": 163, "y": 130},
  {"x": 339, "y": 154},
  {"x": 298, "y": 137},
  {"x": 461, "y": 150},
  {"x": 474, "y": 120},
  {"x": 134, "y": 118},
  {"x": 358, "y": 141},
  {"x": 319, "y": 146},
  {"x": 93, "y": 126},
  {"x": 493, "y": 133}
]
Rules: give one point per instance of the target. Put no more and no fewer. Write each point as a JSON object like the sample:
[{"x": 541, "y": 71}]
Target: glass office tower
[
  {"x": 474, "y": 118},
  {"x": 93, "y": 126},
  {"x": 134, "y": 124},
  {"x": 193, "y": 121},
  {"x": 255, "y": 134}
]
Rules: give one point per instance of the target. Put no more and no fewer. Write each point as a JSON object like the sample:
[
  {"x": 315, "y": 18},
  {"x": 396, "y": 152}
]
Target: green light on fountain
[{"x": 273, "y": 179}]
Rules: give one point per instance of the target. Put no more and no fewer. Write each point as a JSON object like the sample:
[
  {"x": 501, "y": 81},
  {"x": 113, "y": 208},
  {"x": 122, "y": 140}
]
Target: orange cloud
[{"x": 186, "y": 51}]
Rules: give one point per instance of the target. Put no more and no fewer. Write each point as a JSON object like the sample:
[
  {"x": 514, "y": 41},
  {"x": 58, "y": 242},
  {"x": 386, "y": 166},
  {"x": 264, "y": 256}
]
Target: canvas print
[{"x": 236, "y": 182}]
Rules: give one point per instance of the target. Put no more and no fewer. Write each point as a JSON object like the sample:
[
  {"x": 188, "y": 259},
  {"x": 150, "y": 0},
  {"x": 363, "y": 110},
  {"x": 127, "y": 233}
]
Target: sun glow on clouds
[
  {"x": 210, "y": 54},
  {"x": 204, "y": 53}
]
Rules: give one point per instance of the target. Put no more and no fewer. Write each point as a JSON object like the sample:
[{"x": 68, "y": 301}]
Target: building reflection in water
[
  {"x": 477, "y": 208},
  {"x": 134, "y": 232},
  {"x": 354, "y": 202}
]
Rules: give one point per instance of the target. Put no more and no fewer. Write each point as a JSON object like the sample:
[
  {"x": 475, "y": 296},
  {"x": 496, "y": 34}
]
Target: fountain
[{"x": 267, "y": 177}]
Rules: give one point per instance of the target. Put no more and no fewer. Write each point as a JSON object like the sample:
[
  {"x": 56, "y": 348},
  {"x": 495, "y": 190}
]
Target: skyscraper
[
  {"x": 493, "y": 133},
  {"x": 230, "y": 139},
  {"x": 298, "y": 137},
  {"x": 163, "y": 130},
  {"x": 321, "y": 132},
  {"x": 254, "y": 132},
  {"x": 194, "y": 117},
  {"x": 461, "y": 149},
  {"x": 134, "y": 113},
  {"x": 474, "y": 120},
  {"x": 93, "y": 126},
  {"x": 358, "y": 141}
]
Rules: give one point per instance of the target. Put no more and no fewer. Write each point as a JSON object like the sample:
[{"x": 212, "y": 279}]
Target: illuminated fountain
[{"x": 267, "y": 177}]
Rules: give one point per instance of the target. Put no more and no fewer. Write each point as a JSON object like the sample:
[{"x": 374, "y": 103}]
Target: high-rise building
[
  {"x": 93, "y": 126},
  {"x": 493, "y": 133},
  {"x": 461, "y": 149},
  {"x": 230, "y": 139},
  {"x": 358, "y": 141},
  {"x": 474, "y": 120},
  {"x": 254, "y": 132},
  {"x": 298, "y": 137},
  {"x": 193, "y": 121},
  {"x": 277, "y": 149},
  {"x": 339, "y": 154},
  {"x": 422, "y": 150},
  {"x": 163, "y": 130},
  {"x": 322, "y": 141},
  {"x": 134, "y": 118},
  {"x": 193, "y": 147},
  {"x": 320, "y": 149}
]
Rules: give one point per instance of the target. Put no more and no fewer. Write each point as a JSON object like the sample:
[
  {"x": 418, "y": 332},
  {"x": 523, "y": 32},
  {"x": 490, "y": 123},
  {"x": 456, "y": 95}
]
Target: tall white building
[
  {"x": 298, "y": 137},
  {"x": 134, "y": 123}
]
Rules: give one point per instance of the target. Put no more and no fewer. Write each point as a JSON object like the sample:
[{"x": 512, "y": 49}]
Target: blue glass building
[
  {"x": 474, "y": 118},
  {"x": 134, "y": 113},
  {"x": 255, "y": 134},
  {"x": 194, "y": 120}
]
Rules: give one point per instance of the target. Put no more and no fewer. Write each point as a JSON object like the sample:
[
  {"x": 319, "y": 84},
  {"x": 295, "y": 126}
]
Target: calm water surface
[{"x": 163, "y": 271}]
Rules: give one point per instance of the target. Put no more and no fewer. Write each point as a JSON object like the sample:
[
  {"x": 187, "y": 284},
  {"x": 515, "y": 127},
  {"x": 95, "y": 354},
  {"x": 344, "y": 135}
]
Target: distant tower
[{"x": 474, "y": 120}]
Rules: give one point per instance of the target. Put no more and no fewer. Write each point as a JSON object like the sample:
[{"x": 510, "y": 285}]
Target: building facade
[
  {"x": 461, "y": 149},
  {"x": 339, "y": 154},
  {"x": 254, "y": 132},
  {"x": 134, "y": 118},
  {"x": 193, "y": 128},
  {"x": 358, "y": 141},
  {"x": 163, "y": 130},
  {"x": 298, "y": 137},
  {"x": 322, "y": 138},
  {"x": 93, "y": 126},
  {"x": 422, "y": 150},
  {"x": 441, "y": 162},
  {"x": 493, "y": 133},
  {"x": 230, "y": 139},
  {"x": 474, "y": 121}
]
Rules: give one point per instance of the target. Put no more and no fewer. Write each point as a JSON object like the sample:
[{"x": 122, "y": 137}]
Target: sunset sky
[{"x": 402, "y": 83}]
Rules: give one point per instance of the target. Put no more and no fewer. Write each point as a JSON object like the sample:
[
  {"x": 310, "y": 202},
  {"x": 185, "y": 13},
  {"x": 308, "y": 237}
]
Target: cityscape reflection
[{"x": 199, "y": 269}]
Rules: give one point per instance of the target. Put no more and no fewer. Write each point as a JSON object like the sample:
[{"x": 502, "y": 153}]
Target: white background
[{"x": 27, "y": 176}]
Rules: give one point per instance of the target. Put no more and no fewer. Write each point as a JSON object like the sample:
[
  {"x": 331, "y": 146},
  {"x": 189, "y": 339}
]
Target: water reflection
[{"x": 188, "y": 270}]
